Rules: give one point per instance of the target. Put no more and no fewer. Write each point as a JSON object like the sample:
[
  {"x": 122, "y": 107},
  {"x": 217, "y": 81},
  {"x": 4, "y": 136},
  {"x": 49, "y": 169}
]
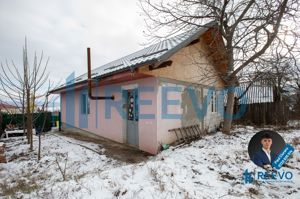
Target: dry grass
[
  {"x": 19, "y": 186},
  {"x": 157, "y": 178},
  {"x": 296, "y": 141}
]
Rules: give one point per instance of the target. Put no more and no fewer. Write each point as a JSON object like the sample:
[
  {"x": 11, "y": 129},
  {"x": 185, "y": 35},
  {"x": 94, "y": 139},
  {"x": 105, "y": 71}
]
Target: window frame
[{"x": 84, "y": 104}]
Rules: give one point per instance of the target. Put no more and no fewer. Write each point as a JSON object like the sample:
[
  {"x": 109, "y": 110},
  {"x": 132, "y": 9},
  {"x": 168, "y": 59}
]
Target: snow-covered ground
[{"x": 209, "y": 168}]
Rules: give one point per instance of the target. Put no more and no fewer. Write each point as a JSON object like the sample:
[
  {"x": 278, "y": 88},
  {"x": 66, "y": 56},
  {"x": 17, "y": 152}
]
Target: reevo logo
[{"x": 275, "y": 175}]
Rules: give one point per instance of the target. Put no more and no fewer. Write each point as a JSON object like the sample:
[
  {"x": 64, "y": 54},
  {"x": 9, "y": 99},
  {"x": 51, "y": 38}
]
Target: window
[
  {"x": 85, "y": 104},
  {"x": 214, "y": 102}
]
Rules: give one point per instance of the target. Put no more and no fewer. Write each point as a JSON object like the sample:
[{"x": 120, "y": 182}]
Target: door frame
[{"x": 124, "y": 126}]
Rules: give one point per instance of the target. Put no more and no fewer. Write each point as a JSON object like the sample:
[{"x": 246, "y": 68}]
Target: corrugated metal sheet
[
  {"x": 156, "y": 52},
  {"x": 259, "y": 92}
]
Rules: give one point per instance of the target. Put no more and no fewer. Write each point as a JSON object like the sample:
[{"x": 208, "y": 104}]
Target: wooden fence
[{"x": 269, "y": 113}]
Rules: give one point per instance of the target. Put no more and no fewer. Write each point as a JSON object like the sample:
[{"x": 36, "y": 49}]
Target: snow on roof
[{"x": 152, "y": 54}]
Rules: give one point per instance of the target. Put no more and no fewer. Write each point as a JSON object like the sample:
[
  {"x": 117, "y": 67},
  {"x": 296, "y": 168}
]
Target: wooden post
[
  {"x": 2, "y": 153},
  {"x": 59, "y": 118}
]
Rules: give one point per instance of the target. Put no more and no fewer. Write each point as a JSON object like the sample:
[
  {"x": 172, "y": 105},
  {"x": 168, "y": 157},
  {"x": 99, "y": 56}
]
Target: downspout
[{"x": 90, "y": 81}]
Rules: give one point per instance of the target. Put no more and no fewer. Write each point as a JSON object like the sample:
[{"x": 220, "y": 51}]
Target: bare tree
[
  {"x": 296, "y": 89},
  {"x": 296, "y": 76},
  {"x": 247, "y": 28},
  {"x": 62, "y": 168},
  {"x": 43, "y": 110},
  {"x": 23, "y": 86}
]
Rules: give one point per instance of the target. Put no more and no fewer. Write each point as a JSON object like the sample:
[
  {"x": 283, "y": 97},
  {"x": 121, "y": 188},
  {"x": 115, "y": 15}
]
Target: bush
[{"x": 17, "y": 120}]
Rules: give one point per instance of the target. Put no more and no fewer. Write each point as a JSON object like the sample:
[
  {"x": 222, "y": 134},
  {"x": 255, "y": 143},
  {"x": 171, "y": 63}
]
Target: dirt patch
[
  {"x": 253, "y": 191},
  {"x": 227, "y": 176},
  {"x": 118, "y": 151}
]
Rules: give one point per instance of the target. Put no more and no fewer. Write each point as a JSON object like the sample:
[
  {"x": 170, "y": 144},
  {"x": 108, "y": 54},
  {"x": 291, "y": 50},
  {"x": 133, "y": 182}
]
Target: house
[
  {"x": 173, "y": 83},
  {"x": 8, "y": 108}
]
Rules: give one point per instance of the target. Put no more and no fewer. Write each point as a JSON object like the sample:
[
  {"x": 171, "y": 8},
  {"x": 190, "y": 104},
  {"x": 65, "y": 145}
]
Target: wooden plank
[
  {"x": 196, "y": 130},
  {"x": 192, "y": 130},
  {"x": 188, "y": 137},
  {"x": 185, "y": 139},
  {"x": 186, "y": 133},
  {"x": 201, "y": 132},
  {"x": 189, "y": 128},
  {"x": 180, "y": 140}
]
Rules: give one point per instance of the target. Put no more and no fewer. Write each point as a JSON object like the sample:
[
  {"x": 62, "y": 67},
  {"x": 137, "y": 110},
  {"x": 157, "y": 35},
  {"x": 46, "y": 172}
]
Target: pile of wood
[
  {"x": 188, "y": 134},
  {"x": 2, "y": 153}
]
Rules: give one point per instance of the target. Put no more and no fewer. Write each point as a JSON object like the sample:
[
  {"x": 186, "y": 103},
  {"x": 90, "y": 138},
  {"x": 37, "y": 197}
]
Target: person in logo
[{"x": 264, "y": 157}]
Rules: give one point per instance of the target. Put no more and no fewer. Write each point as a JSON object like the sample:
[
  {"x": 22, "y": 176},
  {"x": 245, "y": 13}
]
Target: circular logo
[{"x": 264, "y": 148}]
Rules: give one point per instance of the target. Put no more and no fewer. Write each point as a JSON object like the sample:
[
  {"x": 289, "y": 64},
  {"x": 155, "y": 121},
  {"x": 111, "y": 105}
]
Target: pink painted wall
[
  {"x": 164, "y": 124},
  {"x": 184, "y": 108},
  {"x": 152, "y": 132},
  {"x": 114, "y": 128},
  {"x": 148, "y": 127}
]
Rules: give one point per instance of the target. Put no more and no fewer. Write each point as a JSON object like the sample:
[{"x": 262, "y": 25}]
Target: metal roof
[
  {"x": 259, "y": 92},
  {"x": 152, "y": 54},
  {"x": 7, "y": 106}
]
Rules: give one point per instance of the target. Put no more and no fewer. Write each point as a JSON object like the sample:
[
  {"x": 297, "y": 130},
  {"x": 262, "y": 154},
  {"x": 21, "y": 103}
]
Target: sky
[{"x": 64, "y": 29}]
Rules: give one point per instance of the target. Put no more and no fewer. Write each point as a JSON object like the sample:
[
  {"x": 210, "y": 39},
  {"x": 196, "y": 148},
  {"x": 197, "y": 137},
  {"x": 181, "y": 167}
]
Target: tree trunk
[
  {"x": 40, "y": 144},
  {"x": 1, "y": 120},
  {"x": 23, "y": 113},
  {"x": 29, "y": 119},
  {"x": 229, "y": 112},
  {"x": 29, "y": 130},
  {"x": 23, "y": 120}
]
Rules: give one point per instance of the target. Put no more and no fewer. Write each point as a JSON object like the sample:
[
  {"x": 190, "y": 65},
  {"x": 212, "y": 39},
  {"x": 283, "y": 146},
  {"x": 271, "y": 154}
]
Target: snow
[
  {"x": 208, "y": 168},
  {"x": 294, "y": 123}
]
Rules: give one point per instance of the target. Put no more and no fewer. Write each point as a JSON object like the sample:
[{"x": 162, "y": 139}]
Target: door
[{"x": 132, "y": 119}]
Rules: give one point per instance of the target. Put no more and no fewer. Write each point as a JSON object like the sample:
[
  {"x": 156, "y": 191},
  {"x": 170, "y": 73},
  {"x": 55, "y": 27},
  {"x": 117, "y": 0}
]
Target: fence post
[{"x": 59, "y": 119}]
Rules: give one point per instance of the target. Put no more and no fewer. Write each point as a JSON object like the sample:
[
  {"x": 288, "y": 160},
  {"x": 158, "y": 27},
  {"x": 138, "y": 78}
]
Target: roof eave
[{"x": 98, "y": 78}]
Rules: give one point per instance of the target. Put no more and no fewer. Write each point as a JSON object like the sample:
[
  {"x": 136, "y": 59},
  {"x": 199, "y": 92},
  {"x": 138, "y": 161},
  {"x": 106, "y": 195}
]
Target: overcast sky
[{"x": 64, "y": 29}]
